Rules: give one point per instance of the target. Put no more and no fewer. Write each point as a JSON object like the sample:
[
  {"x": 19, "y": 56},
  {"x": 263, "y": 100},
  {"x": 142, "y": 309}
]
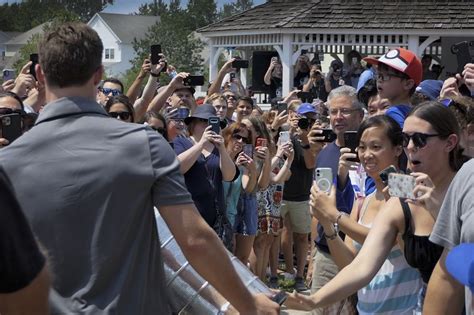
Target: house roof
[
  {"x": 128, "y": 27},
  {"x": 6, "y": 36},
  {"x": 351, "y": 14},
  {"x": 23, "y": 38}
]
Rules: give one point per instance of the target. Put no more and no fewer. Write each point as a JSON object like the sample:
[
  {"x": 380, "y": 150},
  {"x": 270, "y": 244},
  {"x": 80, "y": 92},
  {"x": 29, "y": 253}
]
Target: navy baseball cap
[
  {"x": 306, "y": 108},
  {"x": 430, "y": 88},
  {"x": 460, "y": 264}
]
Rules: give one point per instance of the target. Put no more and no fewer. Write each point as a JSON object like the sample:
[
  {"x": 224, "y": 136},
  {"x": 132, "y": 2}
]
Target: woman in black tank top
[{"x": 431, "y": 143}]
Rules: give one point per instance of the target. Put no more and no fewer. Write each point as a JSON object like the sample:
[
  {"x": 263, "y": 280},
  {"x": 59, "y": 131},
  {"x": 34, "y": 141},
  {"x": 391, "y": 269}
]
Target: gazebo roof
[{"x": 351, "y": 14}]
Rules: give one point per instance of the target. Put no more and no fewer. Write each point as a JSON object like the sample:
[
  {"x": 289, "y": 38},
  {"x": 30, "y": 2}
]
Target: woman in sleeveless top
[
  {"x": 395, "y": 287},
  {"x": 431, "y": 143}
]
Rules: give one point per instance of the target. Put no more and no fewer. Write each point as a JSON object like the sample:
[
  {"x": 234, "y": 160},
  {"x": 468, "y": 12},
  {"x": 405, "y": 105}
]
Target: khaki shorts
[{"x": 300, "y": 217}]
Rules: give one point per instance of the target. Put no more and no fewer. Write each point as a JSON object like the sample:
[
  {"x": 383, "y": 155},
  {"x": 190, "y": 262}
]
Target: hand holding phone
[
  {"x": 240, "y": 64},
  {"x": 34, "y": 61},
  {"x": 384, "y": 173},
  {"x": 282, "y": 106},
  {"x": 280, "y": 297},
  {"x": 261, "y": 142},
  {"x": 194, "y": 80},
  {"x": 248, "y": 149},
  {"x": 351, "y": 141},
  {"x": 284, "y": 137},
  {"x": 215, "y": 124},
  {"x": 11, "y": 127}
]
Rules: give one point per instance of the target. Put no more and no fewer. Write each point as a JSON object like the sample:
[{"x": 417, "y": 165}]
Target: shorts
[
  {"x": 300, "y": 217},
  {"x": 247, "y": 217}
]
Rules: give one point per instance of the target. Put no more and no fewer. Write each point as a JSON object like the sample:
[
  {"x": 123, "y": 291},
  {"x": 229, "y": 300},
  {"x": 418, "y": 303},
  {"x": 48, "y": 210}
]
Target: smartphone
[
  {"x": 215, "y": 124},
  {"x": 182, "y": 113},
  {"x": 11, "y": 127},
  {"x": 261, "y": 142},
  {"x": 155, "y": 51},
  {"x": 232, "y": 76},
  {"x": 463, "y": 54},
  {"x": 329, "y": 135},
  {"x": 304, "y": 51},
  {"x": 323, "y": 178},
  {"x": 34, "y": 59},
  {"x": 248, "y": 149},
  {"x": 284, "y": 137},
  {"x": 280, "y": 297},
  {"x": 305, "y": 96},
  {"x": 384, "y": 173},
  {"x": 401, "y": 185},
  {"x": 194, "y": 80},
  {"x": 240, "y": 63},
  {"x": 281, "y": 106},
  {"x": 351, "y": 141},
  {"x": 8, "y": 74}
]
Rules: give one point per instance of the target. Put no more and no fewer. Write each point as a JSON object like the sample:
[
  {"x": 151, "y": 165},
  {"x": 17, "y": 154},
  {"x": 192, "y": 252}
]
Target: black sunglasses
[
  {"x": 122, "y": 115},
  {"x": 160, "y": 130},
  {"x": 419, "y": 139},
  {"x": 239, "y": 137},
  {"x": 8, "y": 111}
]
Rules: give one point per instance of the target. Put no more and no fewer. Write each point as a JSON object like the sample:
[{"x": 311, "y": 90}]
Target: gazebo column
[
  {"x": 287, "y": 63},
  {"x": 213, "y": 61},
  {"x": 413, "y": 43}
]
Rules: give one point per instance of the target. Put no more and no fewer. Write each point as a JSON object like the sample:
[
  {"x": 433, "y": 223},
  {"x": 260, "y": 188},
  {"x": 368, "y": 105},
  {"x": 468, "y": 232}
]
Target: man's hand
[
  {"x": 3, "y": 142},
  {"x": 227, "y": 67},
  {"x": 264, "y": 306},
  {"x": 468, "y": 76},
  {"x": 8, "y": 85},
  {"x": 24, "y": 82},
  {"x": 315, "y": 139},
  {"x": 450, "y": 88},
  {"x": 279, "y": 120},
  {"x": 177, "y": 81}
]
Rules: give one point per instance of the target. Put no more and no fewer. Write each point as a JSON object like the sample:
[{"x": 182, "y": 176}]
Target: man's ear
[
  {"x": 40, "y": 74},
  {"x": 98, "y": 75}
]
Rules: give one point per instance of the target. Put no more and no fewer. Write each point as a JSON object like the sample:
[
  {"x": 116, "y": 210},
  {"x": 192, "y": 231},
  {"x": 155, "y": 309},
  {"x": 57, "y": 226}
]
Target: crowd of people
[{"x": 94, "y": 160}]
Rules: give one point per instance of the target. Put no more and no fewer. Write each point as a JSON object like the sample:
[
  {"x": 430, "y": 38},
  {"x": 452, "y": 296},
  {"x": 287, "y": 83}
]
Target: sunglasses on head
[
  {"x": 160, "y": 130},
  {"x": 122, "y": 115},
  {"x": 114, "y": 92},
  {"x": 239, "y": 137},
  {"x": 419, "y": 139}
]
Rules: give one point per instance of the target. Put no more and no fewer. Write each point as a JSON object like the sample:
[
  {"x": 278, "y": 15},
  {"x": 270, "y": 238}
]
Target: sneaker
[
  {"x": 289, "y": 276},
  {"x": 300, "y": 285},
  {"x": 273, "y": 283}
]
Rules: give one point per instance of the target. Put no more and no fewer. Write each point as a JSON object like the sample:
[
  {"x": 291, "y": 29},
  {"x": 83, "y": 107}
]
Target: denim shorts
[{"x": 247, "y": 216}]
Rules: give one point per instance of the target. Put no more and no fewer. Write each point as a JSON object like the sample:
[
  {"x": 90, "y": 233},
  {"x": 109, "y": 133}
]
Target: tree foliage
[
  {"x": 25, "y": 15},
  {"x": 235, "y": 7}
]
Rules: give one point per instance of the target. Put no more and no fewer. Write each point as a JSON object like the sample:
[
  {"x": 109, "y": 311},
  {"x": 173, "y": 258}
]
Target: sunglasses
[
  {"x": 114, "y": 92},
  {"x": 122, "y": 115},
  {"x": 419, "y": 139},
  {"x": 160, "y": 130},
  {"x": 8, "y": 111},
  {"x": 239, "y": 137}
]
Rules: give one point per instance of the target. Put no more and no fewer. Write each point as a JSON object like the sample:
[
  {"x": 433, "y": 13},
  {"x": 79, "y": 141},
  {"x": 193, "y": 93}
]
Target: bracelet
[
  {"x": 331, "y": 237},
  {"x": 336, "y": 224},
  {"x": 154, "y": 74}
]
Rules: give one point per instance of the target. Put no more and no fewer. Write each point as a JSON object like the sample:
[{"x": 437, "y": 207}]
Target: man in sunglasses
[
  {"x": 399, "y": 72},
  {"x": 93, "y": 183},
  {"x": 110, "y": 87}
]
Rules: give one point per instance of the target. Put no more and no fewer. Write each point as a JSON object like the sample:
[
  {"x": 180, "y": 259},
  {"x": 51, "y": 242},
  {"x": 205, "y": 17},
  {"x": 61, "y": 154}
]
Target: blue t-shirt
[
  {"x": 329, "y": 157},
  {"x": 204, "y": 181},
  {"x": 399, "y": 113}
]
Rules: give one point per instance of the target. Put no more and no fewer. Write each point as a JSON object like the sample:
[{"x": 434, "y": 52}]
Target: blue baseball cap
[
  {"x": 460, "y": 264},
  {"x": 306, "y": 108},
  {"x": 430, "y": 88}
]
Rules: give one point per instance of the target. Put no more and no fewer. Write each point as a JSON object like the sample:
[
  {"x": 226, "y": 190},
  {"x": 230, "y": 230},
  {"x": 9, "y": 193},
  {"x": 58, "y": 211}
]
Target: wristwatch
[
  {"x": 333, "y": 236},
  {"x": 336, "y": 224}
]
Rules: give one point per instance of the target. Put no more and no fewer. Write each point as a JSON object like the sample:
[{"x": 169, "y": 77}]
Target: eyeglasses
[
  {"x": 122, "y": 115},
  {"x": 114, "y": 92},
  {"x": 388, "y": 75},
  {"x": 419, "y": 139},
  {"x": 343, "y": 111},
  {"x": 160, "y": 130},
  {"x": 239, "y": 137}
]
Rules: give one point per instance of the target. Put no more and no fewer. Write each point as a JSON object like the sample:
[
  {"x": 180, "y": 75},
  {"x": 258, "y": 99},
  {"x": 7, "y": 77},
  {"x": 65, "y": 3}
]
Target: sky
[{"x": 127, "y": 6}]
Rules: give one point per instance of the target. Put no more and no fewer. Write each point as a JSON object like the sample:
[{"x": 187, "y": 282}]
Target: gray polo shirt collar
[{"x": 68, "y": 106}]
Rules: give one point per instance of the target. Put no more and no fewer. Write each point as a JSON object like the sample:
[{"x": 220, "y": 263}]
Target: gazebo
[{"x": 338, "y": 26}]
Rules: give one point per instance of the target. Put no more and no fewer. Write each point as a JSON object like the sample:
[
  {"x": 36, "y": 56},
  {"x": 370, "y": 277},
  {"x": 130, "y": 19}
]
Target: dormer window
[{"x": 109, "y": 54}]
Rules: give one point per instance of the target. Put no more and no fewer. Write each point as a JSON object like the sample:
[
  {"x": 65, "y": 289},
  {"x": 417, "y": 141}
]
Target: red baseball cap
[{"x": 403, "y": 60}]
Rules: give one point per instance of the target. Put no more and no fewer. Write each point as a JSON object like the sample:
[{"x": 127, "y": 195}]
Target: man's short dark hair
[
  {"x": 70, "y": 54},
  {"x": 114, "y": 81},
  {"x": 246, "y": 99}
]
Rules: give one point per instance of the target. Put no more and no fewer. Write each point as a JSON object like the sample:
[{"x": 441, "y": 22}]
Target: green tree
[
  {"x": 201, "y": 13},
  {"x": 236, "y": 7}
]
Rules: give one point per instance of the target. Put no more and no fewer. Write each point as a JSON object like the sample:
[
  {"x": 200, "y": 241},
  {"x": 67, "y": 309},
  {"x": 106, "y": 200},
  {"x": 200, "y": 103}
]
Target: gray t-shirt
[
  {"x": 455, "y": 222},
  {"x": 88, "y": 184}
]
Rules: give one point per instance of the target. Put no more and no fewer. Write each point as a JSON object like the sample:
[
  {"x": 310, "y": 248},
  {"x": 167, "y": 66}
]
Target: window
[{"x": 110, "y": 53}]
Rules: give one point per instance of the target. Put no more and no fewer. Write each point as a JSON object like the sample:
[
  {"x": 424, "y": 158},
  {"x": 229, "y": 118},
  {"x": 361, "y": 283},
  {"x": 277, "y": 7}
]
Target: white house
[
  {"x": 13, "y": 45},
  {"x": 117, "y": 32}
]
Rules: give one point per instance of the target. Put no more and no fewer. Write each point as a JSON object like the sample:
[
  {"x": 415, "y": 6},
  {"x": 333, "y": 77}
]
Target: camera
[{"x": 305, "y": 123}]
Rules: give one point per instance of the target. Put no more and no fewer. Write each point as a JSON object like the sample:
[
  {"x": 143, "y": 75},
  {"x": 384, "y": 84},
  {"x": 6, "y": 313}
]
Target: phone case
[
  {"x": 284, "y": 137},
  {"x": 248, "y": 149},
  {"x": 384, "y": 173},
  {"x": 261, "y": 142},
  {"x": 11, "y": 127},
  {"x": 215, "y": 123},
  {"x": 323, "y": 178},
  {"x": 400, "y": 185}
]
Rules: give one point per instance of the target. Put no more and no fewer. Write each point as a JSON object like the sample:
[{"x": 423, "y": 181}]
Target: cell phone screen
[
  {"x": 215, "y": 124},
  {"x": 155, "y": 51},
  {"x": 351, "y": 141},
  {"x": 282, "y": 106},
  {"x": 194, "y": 80},
  {"x": 248, "y": 149},
  {"x": 34, "y": 59},
  {"x": 11, "y": 127}
]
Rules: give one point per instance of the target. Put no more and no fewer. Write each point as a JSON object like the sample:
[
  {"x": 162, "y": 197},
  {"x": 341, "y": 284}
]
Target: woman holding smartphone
[
  {"x": 379, "y": 141},
  {"x": 431, "y": 141}
]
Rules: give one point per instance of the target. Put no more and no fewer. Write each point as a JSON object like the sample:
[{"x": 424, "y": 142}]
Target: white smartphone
[
  {"x": 323, "y": 178},
  {"x": 284, "y": 137},
  {"x": 401, "y": 185}
]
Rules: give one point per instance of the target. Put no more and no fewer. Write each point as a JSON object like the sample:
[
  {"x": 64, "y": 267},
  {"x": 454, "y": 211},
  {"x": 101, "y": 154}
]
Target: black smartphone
[
  {"x": 232, "y": 76},
  {"x": 182, "y": 113},
  {"x": 280, "y": 297},
  {"x": 462, "y": 50},
  {"x": 281, "y": 106},
  {"x": 34, "y": 59},
  {"x": 194, "y": 80},
  {"x": 304, "y": 51},
  {"x": 11, "y": 127},
  {"x": 215, "y": 124},
  {"x": 240, "y": 63},
  {"x": 351, "y": 141},
  {"x": 305, "y": 96},
  {"x": 384, "y": 174},
  {"x": 155, "y": 51},
  {"x": 329, "y": 135}
]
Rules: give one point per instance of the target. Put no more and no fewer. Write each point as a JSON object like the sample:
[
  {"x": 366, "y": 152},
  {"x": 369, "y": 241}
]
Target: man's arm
[
  {"x": 160, "y": 99},
  {"x": 445, "y": 295},
  {"x": 134, "y": 89},
  {"x": 207, "y": 255},
  {"x": 215, "y": 87}
]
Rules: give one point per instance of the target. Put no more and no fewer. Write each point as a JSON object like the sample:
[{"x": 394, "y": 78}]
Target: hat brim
[{"x": 376, "y": 62}]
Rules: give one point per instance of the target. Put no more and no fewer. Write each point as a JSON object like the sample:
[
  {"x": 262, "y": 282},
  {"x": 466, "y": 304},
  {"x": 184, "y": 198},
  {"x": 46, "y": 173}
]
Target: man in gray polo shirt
[{"x": 88, "y": 184}]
